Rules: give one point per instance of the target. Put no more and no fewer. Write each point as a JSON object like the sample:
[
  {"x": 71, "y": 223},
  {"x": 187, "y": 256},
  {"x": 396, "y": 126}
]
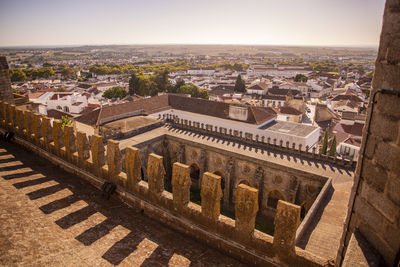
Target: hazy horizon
[{"x": 321, "y": 23}]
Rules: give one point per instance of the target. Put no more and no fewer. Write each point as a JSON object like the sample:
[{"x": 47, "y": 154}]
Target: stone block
[
  {"x": 28, "y": 124},
  {"x": 368, "y": 215},
  {"x": 114, "y": 160},
  {"x": 374, "y": 175},
  {"x": 393, "y": 188},
  {"x": 98, "y": 157},
  {"x": 36, "y": 127},
  {"x": 133, "y": 167},
  {"x": 83, "y": 149},
  {"x": 58, "y": 137},
  {"x": 382, "y": 126},
  {"x": 46, "y": 132},
  {"x": 11, "y": 115},
  {"x": 386, "y": 103},
  {"x": 69, "y": 142},
  {"x": 156, "y": 174},
  {"x": 5, "y": 113},
  {"x": 287, "y": 220},
  {"x": 246, "y": 208},
  {"x": 391, "y": 234},
  {"x": 388, "y": 156},
  {"x": 211, "y": 195},
  {"x": 180, "y": 185},
  {"x": 379, "y": 201},
  {"x": 19, "y": 121},
  {"x": 386, "y": 76}
]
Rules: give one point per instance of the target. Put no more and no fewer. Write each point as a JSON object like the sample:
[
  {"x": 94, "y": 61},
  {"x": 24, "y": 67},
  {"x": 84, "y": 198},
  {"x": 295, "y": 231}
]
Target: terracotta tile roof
[
  {"x": 282, "y": 92},
  {"x": 89, "y": 118},
  {"x": 256, "y": 115},
  {"x": 35, "y": 95},
  {"x": 289, "y": 110},
  {"x": 200, "y": 106},
  {"x": 56, "y": 114},
  {"x": 258, "y": 86},
  {"x": 355, "y": 129},
  {"x": 355, "y": 141},
  {"x": 261, "y": 114},
  {"x": 347, "y": 97}
]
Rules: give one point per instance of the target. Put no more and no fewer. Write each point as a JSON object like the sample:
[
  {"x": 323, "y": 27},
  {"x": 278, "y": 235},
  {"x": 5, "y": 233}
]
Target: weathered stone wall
[
  {"x": 374, "y": 208},
  {"x": 285, "y": 183},
  {"x": 5, "y": 83},
  {"x": 238, "y": 238}
]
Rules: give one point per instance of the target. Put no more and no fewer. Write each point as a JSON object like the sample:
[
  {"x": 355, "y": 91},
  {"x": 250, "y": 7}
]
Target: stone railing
[
  {"x": 260, "y": 141},
  {"x": 73, "y": 152}
]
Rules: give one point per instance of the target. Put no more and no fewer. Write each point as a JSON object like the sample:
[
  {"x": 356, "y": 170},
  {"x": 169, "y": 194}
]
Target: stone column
[
  {"x": 36, "y": 128},
  {"x": 114, "y": 160},
  {"x": 12, "y": 117},
  {"x": 6, "y": 116},
  {"x": 47, "y": 136},
  {"x": 246, "y": 208},
  {"x": 19, "y": 121},
  {"x": 69, "y": 142},
  {"x": 27, "y": 124},
  {"x": 98, "y": 158},
  {"x": 132, "y": 168},
  {"x": 211, "y": 195},
  {"x": 287, "y": 220},
  {"x": 180, "y": 185},
  {"x": 83, "y": 148},
  {"x": 58, "y": 137},
  {"x": 155, "y": 173}
]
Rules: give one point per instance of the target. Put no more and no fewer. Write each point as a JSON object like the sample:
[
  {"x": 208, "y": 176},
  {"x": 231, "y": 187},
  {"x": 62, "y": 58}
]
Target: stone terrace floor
[{"x": 49, "y": 217}]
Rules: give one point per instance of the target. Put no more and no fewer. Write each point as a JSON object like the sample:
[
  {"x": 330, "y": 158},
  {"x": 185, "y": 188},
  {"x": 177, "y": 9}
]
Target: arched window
[
  {"x": 59, "y": 107},
  {"x": 273, "y": 198}
]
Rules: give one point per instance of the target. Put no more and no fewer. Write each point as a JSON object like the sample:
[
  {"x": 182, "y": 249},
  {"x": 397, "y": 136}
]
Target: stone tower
[
  {"x": 5, "y": 82},
  {"x": 373, "y": 221}
]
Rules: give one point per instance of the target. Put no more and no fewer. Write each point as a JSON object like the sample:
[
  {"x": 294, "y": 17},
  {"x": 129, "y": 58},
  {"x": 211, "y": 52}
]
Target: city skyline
[{"x": 290, "y": 23}]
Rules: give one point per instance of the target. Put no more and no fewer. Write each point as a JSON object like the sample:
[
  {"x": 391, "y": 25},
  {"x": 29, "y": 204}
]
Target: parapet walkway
[
  {"x": 322, "y": 238},
  {"x": 52, "y": 218}
]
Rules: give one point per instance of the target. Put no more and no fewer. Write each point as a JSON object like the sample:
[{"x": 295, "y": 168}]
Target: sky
[{"x": 255, "y": 22}]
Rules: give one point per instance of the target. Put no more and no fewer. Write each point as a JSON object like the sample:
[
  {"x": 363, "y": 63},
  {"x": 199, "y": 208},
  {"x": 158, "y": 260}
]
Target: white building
[{"x": 200, "y": 71}]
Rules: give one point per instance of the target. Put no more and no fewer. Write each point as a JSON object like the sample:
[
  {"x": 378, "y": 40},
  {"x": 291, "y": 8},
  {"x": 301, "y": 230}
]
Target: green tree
[
  {"x": 332, "y": 150},
  {"x": 325, "y": 143},
  {"x": 115, "y": 92},
  {"x": 134, "y": 84},
  {"x": 300, "y": 78},
  {"x": 17, "y": 75},
  {"x": 161, "y": 80},
  {"x": 68, "y": 73},
  {"x": 65, "y": 120},
  {"x": 239, "y": 85}
]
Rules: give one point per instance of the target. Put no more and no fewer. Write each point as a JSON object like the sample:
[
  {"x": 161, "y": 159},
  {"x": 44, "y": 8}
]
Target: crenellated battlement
[
  {"x": 259, "y": 141},
  {"x": 98, "y": 163}
]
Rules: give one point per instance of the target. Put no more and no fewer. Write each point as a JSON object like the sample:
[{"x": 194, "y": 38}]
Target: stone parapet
[
  {"x": 267, "y": 143},
  {"x": 204, "y": 222}
]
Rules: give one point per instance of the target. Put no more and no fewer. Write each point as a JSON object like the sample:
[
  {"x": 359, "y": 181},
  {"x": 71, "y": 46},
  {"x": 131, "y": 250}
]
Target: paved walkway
[
  {"x": 323, "y": 236},
  {"x": 51, "y": 218}
]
